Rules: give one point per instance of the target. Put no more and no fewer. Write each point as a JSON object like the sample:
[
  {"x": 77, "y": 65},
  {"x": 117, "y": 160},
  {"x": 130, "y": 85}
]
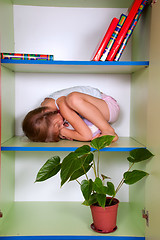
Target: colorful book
[
  {"x": 113, "y": 37},
  {"x": 124, "y": 30},
  {"x": 105, "y": 40},
  {"x": 24, "y": 56},
  {"x": 130, "y": 30}
]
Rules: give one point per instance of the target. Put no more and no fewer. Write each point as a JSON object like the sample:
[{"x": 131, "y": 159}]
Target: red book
[
  {"x": 105, "y": 40},
  {"x": 124, "y": 30}
]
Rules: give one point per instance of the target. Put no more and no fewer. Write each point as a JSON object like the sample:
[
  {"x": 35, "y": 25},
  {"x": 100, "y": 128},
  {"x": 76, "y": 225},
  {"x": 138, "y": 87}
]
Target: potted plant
[{"x": 99, "y": 193}]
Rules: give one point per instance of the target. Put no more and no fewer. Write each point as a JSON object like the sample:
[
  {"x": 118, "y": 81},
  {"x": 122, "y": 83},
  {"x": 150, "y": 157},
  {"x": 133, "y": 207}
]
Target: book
[
  {"x": 25, "y": 56},
  {"x": 124, "y": 30},
  {"x": 113, "y": 37},
  {"x": 130, "y": 30},
  {"x": 105, "y": 40}
]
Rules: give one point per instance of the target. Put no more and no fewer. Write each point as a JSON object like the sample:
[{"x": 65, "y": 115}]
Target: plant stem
[
  {"x": 122, "y": 181},
  {"x": 85, "y": 172},
  {"x": 130, "y": 167},
  {"x": 111, "y": 200},
  {"x": 120, "y": 184},
  {"x": 94, "y": 168},
  {"x": 78, "y": 182},
  {"x": 98, "y": 163}
]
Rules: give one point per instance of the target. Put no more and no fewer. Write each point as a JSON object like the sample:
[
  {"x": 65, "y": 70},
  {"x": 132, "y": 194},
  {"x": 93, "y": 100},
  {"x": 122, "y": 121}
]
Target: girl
[{"x": 73, "y": 105}]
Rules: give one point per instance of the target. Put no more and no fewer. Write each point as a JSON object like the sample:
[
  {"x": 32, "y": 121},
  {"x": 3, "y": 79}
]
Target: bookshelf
[
  {"x": 71, "y": 3},
  {"x": 74, "y": 66},
  {"x": 23, "y": 144},
  {"x": 18, "y": 214},
  {"x": 74, "y": 224}
]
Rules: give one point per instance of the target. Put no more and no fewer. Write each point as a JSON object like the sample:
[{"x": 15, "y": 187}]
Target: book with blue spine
[{"x": 113, "y": 37}]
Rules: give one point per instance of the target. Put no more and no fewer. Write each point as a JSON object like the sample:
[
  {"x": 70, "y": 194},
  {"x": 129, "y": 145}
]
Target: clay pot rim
[{"x": 115, "y": 199}]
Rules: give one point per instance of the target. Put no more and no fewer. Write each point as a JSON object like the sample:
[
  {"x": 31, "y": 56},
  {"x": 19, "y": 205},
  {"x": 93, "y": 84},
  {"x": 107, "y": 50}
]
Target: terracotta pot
[{"x": 104, "y": 219}]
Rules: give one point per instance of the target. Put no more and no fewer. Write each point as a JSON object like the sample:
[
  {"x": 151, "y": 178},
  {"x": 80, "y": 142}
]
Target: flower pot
[{"x": 104, "y": 219}]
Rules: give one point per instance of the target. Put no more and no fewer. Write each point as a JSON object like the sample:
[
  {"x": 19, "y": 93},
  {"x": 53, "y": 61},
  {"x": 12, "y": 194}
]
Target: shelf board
[
  {"x": 73, "y": 3},
  {"x": 42, "y": 66},
  {"x": 23, "y": 144},
  {"x": 55, "y": 219}
]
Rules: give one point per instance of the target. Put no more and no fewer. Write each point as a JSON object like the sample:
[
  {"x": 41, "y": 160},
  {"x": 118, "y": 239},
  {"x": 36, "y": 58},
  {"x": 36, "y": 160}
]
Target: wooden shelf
[
  {"x": 73, "y": 3},
  {"x": 74, "y": 66},
  {"x": 23, "y": 144},
  {"x": 67, "y": 220}
]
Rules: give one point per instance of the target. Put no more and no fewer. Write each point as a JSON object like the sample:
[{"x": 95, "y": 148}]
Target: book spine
[
  {"x": 113, "y": 37},
  {"x": 130, "y": 30},
  {"x": 124, "y": 30},
  {"x": 24, "y": 56},
  {"x": 105, "y": 40}
]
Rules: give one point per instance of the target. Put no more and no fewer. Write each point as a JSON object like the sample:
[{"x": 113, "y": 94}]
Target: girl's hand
[
  {"x": 98, "y": 135},
  {"x": 49, "y": 102},
  {"x": 62, "y": 134},
  {"x": 63, "y": 137}
]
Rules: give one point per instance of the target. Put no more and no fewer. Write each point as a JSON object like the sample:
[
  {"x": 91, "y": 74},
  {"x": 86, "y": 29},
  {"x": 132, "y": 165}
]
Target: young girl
[{"x": 69, "y": 113}]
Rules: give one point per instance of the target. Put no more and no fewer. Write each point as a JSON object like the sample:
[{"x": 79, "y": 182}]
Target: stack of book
[{"x": 119, "y": 32}]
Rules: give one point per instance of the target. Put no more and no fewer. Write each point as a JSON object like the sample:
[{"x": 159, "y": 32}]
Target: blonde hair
[{"x": 36, "y": 124}]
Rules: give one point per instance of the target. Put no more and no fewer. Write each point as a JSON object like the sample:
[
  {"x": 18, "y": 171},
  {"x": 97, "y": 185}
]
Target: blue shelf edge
[
  {"x": 71, "y": 238},
  {"x": 87, "y": 63},
  {"x": 116, "y": 149}
]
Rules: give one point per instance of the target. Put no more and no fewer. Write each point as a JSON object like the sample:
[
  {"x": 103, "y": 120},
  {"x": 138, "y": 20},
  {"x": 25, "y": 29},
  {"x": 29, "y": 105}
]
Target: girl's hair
[{"x": 36, "y": 124}]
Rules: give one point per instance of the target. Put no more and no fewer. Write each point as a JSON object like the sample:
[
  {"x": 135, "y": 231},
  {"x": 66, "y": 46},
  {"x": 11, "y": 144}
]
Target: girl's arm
[
  {"x": 49, "y": 102},
  {"x": 81, "y": 131}
]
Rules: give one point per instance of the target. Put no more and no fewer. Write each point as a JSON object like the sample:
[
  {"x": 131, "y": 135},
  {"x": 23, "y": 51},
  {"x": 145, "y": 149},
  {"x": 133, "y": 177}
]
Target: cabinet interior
[{"x": 25, "y": 85}]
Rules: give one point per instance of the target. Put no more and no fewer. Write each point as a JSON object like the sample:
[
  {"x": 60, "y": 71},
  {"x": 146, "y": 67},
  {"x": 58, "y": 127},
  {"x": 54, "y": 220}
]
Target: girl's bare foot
[
  {"x": 113, "y": 134},
  {"x": 115, "y": 138}
]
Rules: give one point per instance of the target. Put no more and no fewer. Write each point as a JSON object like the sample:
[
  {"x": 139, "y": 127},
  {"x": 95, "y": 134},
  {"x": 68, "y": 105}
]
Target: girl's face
[
  {"x": 56, "y": 124},
  {"x": 58, "y": 121}
]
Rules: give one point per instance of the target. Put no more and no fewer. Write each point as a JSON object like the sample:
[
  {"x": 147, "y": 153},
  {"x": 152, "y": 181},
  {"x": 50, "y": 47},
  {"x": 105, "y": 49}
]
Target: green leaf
[
  {"x": 98, "y": 186},
  {"x": 71, "y": 163},
  {"x": 101, "y": 142},
  {"x": 134, "y": 176},
  {"x": 96, "y": 198},
  {"x": 80, "y": 172},
  {"x": 89, "y": 158},
  {"x": 86, "y": 188},
  {"x": 139, "y": 154},
  {"x": 84, "y": 169},
  {"x": 110, "y": 189},
  {"x": 101, "y": 199},
  {"x": 49, "y": 169},
  {"x": 83, "y": 150},
  {"x": 91, "y": 201}
]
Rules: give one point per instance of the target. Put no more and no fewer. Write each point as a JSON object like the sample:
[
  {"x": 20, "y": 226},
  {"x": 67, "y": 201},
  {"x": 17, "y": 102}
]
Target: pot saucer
[{"x": 101, "y": 231}]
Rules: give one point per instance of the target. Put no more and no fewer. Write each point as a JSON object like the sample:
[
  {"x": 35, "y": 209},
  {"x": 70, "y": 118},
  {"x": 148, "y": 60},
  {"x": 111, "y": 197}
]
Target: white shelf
[
  {"x": 23, "y": 144},
  {"x": 99, "y": 67}
]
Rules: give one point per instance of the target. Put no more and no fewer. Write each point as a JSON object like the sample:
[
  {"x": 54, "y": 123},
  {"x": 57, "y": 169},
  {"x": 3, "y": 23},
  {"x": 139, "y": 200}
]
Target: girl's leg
[{"x": 94, "y": 109}]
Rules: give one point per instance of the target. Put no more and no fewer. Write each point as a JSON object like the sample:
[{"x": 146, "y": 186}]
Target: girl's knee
[{"x": 73, "y": 99}]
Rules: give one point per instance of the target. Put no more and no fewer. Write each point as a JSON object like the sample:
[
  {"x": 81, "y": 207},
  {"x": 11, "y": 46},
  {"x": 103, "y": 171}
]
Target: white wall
[
  {"x": 69, "y": 34},
  {"x": 113, "y": 164}
]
